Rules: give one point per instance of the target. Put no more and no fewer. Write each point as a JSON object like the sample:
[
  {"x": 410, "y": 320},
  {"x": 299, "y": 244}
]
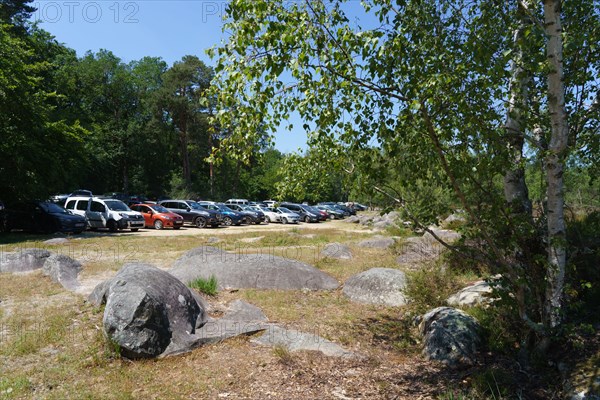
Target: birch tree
[{"x": 456, "y": 93}]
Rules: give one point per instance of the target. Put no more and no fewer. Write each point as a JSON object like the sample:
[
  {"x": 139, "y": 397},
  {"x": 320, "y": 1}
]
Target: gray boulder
[
  {"x": 148, "y": 312},
  {"x": 241, "y": 318},
  {"x": 24, "y": 260},
  {"x": 353, "y": 219},
  {"x": 446, "y": 235},
  {"x": 377, "y": 242},
  {"x": 450, "y": 336},
  {"x": 60, "y": 240},
  {"x": 377, "y": 286},
  {"x": 392, "y": 216},
  {"x": 64, "y": 270},
  {"x": 261, "y": 271},
  {"x": 293, "y": 340},
  {"x": 337, "y": 251},
  {"x": 472, "y": 295},
  {"x": 382, "y": 225},
  {"x": 416, "y": 250}
]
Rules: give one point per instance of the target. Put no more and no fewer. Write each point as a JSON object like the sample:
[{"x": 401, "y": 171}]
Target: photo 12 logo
[{"x": 86, "y": 11}]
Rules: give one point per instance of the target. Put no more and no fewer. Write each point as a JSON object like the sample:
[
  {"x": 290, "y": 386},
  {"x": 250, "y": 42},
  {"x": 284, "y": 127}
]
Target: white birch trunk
[{"x": 554, "y": 165}]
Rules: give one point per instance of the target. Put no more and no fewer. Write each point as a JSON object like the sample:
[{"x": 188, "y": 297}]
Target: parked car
[
  {"x": 237, "y": 201},
  {"x": 255, "y": 216},
  {"x": 269, "y": 203},
  {"x": 230, "y": 217},
  {"x": 158, "y": 217},
  {"x": 321, "y": 215},
  {"x": 334, "y": 213},
  {"x": 103, "y": 212},
  {"x": 40, "y": 216},
  {"x": 193, "y": 213},
  {"x": 305, "y": 214},
  {"x": 262, "y": 209},
  {"x": 271, "y": 215},
  {"x": 287, "y": 215}
]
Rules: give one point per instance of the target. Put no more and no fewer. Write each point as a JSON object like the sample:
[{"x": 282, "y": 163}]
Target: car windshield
[
  {"x": 196, "y": 206},
  {"x": 117, "y": 205},
  {"x": 158, "y": 208},
  {"x": 53, "y": 208},
  {"x": 285, "y": 210},
  {"x": 312, "y": 209},
  {"x": 223, "y": 207},
  {"x": 248, "y": 208}
]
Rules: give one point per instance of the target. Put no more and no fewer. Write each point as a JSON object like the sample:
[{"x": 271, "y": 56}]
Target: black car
[
  {"x": 303, "y": 211},
  {"x": 254, "y": 216},
  {"x": 193, "y": 213},
  {"x": 40, "y": 216}
]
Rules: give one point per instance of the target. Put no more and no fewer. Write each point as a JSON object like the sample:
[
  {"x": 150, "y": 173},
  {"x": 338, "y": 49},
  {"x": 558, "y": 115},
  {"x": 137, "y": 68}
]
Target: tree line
[{"x": 96, "y": 122}]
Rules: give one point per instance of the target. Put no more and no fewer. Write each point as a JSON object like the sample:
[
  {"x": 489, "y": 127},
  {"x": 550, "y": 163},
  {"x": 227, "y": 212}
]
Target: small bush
[
  {"x": 206, "y": 286},
  {"x": 431, "y": 286},
  {"x": 283, "y": 354}
]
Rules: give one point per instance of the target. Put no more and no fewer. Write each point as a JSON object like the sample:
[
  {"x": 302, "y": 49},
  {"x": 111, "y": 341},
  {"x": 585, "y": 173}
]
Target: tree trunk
[
  {"x": 185, "y": 155},
  {"x": 515, "y": 188},
  {"x": 516, "y": 193},
  {"x": 554, "y": 165}
]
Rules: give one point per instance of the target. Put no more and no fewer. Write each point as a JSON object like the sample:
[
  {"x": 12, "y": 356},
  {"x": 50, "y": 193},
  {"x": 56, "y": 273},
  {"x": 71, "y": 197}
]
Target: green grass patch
[{"x": 206, "y": 286}]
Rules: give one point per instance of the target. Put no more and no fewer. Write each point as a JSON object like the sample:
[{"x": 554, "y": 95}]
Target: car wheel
[
  {"x": 331, "y": 216},
  {"x": 267, "y": 220},
  {"x": 307, "y": 219},
  {"x": 134, "y": 229},
  {"x": 78, "y": 232},
  {"x": 284, "y": 220},
  {"x": 158, "y": 225},
  {"x": 200, "y": 222},
  {"x": 112, "y": 225},
  {"x": 227, "y": 221},
  {"x": 176, "y": 227}
]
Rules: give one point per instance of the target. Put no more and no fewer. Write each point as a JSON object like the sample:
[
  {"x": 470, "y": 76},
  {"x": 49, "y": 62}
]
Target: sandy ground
[{"x": 237, "y": 230}]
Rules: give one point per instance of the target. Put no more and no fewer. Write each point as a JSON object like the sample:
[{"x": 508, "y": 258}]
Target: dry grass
[{"x": 52, "y": 345}]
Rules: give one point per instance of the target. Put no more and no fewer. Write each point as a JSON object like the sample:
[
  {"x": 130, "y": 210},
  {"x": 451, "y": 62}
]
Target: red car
[{"x": 158, "y": 217}]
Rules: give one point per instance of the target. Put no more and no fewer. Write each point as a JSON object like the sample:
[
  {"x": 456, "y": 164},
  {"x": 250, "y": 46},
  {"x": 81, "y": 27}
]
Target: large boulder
[
  {"x": 377, "y": 242},
  {"x": 472, "y": 295},
  {"x": 261, "y": 271},
  {"x": 336, "y": 250},
  {"x": 377, "y": 286},
  {"x": 64, "y": 270},
  {"x": 148, "y": 312},
  {"x": 447, "y": 235},
  {"x": 417, "y": 250},
  {"x": 450, "y": 336},
  {"x": 24, "y": 260}
]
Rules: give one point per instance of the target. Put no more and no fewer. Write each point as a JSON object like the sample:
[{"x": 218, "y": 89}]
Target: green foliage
[
  {"x": 207, "y": 286},
  {"x": 430, "y": 286},
  {"x": 583, "y": 284}
]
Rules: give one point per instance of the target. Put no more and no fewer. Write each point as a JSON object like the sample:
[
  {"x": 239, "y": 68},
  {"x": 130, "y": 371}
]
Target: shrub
[
  {"x": 206, "y": 286},
  {"x": 430, "y": 286}
]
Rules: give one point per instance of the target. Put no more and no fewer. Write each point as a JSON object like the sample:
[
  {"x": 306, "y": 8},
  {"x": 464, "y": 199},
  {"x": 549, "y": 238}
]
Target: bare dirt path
[{"x": 239, "y": 230}]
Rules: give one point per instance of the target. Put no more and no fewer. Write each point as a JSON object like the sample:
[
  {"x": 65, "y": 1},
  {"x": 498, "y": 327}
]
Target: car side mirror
[{"x": 188, "y": 209}]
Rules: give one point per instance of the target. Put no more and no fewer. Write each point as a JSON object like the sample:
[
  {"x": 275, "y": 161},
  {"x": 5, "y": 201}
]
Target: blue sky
[{"x": 134, "y": 29}]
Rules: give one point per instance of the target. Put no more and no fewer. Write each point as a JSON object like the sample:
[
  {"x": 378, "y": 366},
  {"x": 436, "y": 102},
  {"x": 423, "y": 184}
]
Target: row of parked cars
[{"x": 82, "y": 210}]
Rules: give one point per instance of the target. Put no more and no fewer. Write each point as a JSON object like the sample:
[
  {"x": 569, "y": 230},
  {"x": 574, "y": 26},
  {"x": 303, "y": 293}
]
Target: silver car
[{"x": 287, "y": 216}]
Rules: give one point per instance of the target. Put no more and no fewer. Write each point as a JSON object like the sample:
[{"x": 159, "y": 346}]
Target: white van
[
  {"x": 105, "y": 213},
  {"x": 241, "y": 202}
]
